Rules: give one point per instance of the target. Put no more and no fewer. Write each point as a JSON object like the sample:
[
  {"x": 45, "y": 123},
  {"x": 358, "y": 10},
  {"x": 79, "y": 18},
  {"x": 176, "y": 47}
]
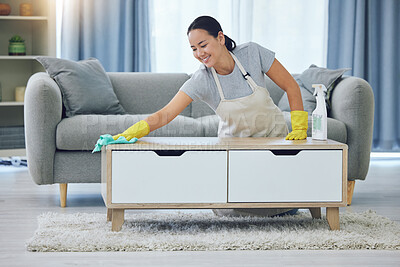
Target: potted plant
[{"x": 17, "y": 46}]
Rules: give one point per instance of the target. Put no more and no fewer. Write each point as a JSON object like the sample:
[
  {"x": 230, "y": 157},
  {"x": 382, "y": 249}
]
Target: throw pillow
[
  {"x": 85, "y": 86},
  {"x": 314, "y": 75}
]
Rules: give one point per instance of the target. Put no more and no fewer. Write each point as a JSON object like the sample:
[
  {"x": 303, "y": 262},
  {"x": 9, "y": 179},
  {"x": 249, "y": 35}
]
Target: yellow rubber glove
[
  {"x": 137, "y": 130},
  {"x": 299, "y": 125}
]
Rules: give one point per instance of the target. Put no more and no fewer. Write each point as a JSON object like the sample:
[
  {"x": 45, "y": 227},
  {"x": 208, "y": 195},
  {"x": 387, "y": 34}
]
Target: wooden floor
[{"x": 21, "y": 201}]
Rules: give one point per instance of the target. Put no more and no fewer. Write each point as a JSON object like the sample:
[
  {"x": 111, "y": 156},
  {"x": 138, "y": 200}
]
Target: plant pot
[{"x": 16, "y": 49}]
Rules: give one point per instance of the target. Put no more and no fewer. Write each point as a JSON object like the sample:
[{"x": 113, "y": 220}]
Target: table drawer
[
  {"x": 169, "y": 176},
  {"x": 283, "y": 176}
]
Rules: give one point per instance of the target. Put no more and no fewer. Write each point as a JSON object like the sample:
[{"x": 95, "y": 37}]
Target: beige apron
[{"x": 254, "y": 115}]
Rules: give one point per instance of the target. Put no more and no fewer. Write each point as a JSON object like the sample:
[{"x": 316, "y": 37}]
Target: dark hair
[{"x": 213, "y": 27}]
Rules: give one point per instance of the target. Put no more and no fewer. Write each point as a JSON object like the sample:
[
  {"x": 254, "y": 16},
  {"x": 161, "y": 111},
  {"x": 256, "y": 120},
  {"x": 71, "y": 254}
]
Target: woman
[{"x": 229, "y": 80}]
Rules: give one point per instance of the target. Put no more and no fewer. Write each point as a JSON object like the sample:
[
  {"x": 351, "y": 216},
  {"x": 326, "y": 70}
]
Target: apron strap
[
  {"x": 221, "y": 94},
  {"x": 246, "y": 75}
]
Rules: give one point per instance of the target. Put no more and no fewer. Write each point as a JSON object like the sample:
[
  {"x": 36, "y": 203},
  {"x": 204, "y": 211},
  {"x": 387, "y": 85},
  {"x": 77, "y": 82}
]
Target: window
[{"x": 295, "y": 30}]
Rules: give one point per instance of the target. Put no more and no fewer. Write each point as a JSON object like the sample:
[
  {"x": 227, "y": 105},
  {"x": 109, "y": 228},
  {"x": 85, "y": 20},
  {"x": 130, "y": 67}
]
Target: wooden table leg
[
  {"x": 117, "y": 219},
  {"x": 315, "y": 213},
  {"x": 332, "y": 216},
  {"x": 109, "y": 215}
]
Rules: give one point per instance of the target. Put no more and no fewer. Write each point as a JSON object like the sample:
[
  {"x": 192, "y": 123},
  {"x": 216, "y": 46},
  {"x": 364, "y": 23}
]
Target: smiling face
[{"x": 206, "y": 48}]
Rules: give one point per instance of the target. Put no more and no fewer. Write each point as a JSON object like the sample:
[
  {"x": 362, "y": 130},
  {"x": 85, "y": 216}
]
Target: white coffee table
[{"x": 213, "y": 173}]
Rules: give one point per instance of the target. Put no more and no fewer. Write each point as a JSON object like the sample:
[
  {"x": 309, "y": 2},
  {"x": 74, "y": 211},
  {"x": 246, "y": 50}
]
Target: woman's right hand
[
  {"x": 137, "y": 130},
  {"x": 178, "y": 103}
]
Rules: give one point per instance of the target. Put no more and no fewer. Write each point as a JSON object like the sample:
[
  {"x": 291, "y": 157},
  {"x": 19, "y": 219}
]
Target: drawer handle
[
  {"x": 285, "y": 152},
  {"x": 169, "y": 153}
]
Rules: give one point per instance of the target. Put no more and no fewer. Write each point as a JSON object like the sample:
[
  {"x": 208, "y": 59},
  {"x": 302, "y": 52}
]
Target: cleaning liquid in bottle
[{"x": 319, "y": 115}]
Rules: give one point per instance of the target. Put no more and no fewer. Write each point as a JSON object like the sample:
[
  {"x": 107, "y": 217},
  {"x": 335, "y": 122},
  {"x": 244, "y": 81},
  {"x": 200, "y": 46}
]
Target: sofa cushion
[
  {"x": 81, "y": 132},
  {"x": 336, "y": 129},
  {"x": 146, "y": 93},
  {"x": 85, "y": 86},
  {"x": 313, "y": 75},
  {"x": 210, "y": 125}
]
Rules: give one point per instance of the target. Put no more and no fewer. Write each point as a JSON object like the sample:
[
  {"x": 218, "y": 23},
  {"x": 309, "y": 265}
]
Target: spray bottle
[{"x": 319, "y": 115}]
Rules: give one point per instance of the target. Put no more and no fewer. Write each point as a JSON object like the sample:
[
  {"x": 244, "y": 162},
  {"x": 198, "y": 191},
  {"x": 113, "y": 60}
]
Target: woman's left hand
[{"x": 299, "y": 120}]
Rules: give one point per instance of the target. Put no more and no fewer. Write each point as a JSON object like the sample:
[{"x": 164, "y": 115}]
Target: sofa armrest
[
  {"x": 353, "y": 103},
  {"x": 42, "y": 113}
]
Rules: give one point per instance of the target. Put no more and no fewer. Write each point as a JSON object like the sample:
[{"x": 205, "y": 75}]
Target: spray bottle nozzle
[{"x": 319, "y": 88}]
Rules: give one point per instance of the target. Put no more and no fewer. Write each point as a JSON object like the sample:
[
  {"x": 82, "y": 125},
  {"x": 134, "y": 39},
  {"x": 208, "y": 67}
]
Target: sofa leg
[
  {"x": 350, "y": 191},
  {"x": 63, "y": 195}
]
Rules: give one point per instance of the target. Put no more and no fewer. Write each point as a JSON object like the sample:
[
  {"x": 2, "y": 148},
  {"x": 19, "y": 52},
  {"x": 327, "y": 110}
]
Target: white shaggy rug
[{"x": 205, "y": 231}]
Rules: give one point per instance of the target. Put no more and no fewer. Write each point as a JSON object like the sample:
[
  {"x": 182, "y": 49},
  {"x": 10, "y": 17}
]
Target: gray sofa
[{"x": 59, "y": 148}]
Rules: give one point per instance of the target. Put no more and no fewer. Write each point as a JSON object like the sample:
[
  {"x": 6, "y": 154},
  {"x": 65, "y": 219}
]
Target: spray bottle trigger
[{"x": 319, "y": 88}]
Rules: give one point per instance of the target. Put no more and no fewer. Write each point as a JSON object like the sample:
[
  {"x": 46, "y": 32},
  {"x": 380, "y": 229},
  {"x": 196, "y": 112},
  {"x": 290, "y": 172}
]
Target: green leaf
[{"x": 17, "y": 38}]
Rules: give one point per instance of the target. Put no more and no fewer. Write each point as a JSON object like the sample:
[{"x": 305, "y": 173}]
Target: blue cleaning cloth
[{"x": 106, "y": 139}]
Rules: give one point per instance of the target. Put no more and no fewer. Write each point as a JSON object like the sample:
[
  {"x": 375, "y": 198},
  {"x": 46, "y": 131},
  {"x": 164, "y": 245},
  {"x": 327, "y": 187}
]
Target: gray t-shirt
[{"x": 255, "y": 59}]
